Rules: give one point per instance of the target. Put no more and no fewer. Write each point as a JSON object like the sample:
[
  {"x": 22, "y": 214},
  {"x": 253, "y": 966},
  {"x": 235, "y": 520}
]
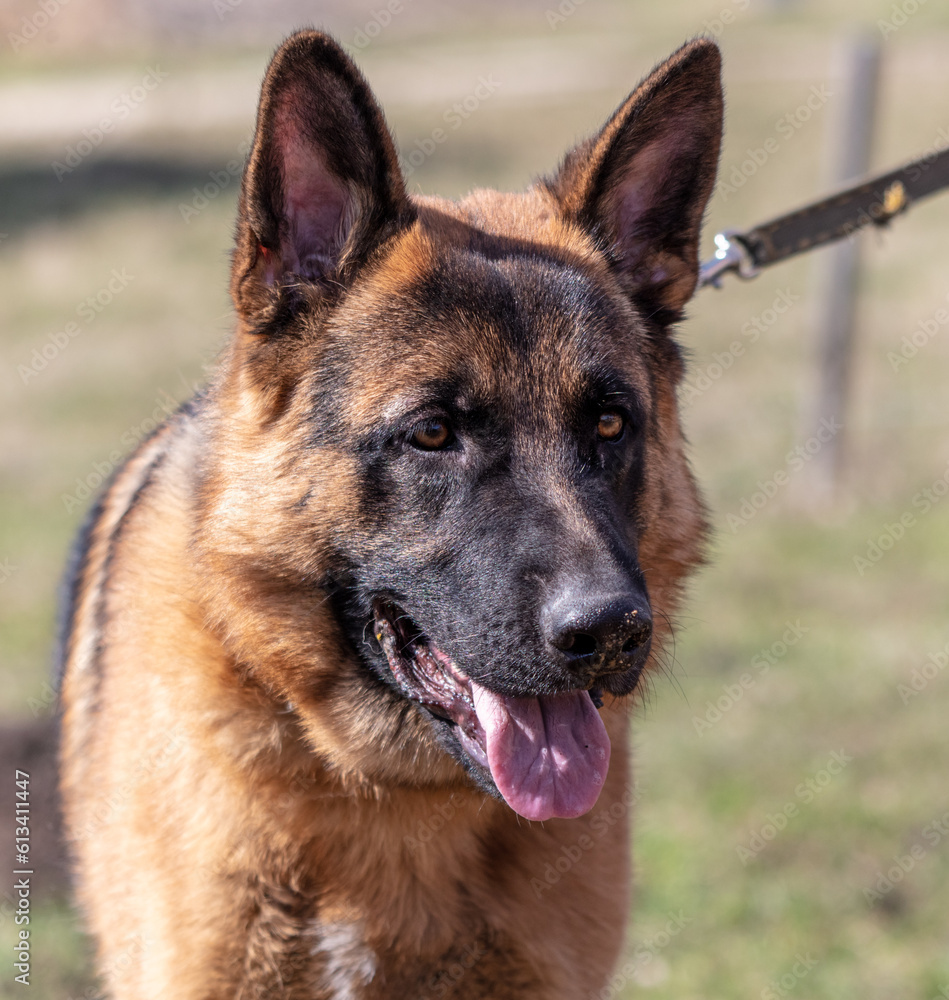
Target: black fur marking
[
  {"x": 100, "y": 615},
  {"x": 69, "y": 587}
]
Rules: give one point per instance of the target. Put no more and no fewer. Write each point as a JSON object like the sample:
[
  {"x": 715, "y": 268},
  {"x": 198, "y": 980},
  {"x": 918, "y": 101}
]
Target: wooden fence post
[{"x": 839, "y": 270}]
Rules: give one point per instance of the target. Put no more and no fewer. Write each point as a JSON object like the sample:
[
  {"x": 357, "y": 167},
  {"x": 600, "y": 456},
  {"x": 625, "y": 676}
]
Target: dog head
[{"x": 449, "y": 508}]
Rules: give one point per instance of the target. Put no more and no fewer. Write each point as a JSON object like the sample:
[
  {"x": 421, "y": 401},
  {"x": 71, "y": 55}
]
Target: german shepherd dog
[{"x": 351, "y": 639}]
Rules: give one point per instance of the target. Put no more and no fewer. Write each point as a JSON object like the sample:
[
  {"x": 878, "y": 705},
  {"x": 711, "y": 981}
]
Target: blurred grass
[{"x": 706, "y": 789}]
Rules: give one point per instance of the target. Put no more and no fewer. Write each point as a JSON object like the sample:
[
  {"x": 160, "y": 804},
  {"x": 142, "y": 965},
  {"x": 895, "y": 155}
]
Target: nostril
[
  {"x": 598, "y": 633},
  {"x": 639, "y": 634},
  {"x": 582, "y": 645}
]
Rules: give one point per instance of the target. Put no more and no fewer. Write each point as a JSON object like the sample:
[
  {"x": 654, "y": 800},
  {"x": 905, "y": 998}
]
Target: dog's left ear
[{"x": 641, "y": 185}]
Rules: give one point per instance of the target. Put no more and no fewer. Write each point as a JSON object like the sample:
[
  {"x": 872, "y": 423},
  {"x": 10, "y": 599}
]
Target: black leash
[{"x": 871, "y": 202}]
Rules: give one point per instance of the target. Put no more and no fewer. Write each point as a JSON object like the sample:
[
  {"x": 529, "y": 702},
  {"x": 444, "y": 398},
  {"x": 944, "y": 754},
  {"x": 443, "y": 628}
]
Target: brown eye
[
  {"x": 610, "y": 425},
  {"x": 430, "y": 435}
]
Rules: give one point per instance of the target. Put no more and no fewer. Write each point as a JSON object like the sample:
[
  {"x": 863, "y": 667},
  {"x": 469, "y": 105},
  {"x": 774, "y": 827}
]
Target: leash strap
[{"x": 871, "y": 202}]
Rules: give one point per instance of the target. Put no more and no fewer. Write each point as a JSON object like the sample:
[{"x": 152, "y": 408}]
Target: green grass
[
  {"x": 61, "y": 956},
  {"x": 710, "y": 787},
  {"x": 706, "y": 789}
]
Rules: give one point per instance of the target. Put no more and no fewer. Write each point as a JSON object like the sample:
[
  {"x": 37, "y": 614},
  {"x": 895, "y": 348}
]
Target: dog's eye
[
  {"x": 432, "y": 434},
  {"x": 610, "y": 425}
]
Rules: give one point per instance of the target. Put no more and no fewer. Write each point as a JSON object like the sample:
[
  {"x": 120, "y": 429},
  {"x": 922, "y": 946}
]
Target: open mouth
[{"x": 548, "y": 755}]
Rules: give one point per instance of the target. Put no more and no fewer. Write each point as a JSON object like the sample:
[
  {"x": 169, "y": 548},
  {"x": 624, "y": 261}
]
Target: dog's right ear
[{"x": 322, "y": 187}]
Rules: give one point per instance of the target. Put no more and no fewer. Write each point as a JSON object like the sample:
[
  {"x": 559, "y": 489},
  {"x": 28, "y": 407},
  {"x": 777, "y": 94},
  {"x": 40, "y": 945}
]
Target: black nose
[{"x": 599, "y": 634}]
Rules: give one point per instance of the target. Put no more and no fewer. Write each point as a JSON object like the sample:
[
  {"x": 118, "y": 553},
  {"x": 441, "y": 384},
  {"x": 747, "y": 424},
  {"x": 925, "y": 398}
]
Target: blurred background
[{"x": 792, "y": 827}]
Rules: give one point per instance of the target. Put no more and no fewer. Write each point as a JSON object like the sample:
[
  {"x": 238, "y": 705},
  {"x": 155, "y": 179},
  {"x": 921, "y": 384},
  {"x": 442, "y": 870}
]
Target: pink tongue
[{"x": 548, "y": 755}]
